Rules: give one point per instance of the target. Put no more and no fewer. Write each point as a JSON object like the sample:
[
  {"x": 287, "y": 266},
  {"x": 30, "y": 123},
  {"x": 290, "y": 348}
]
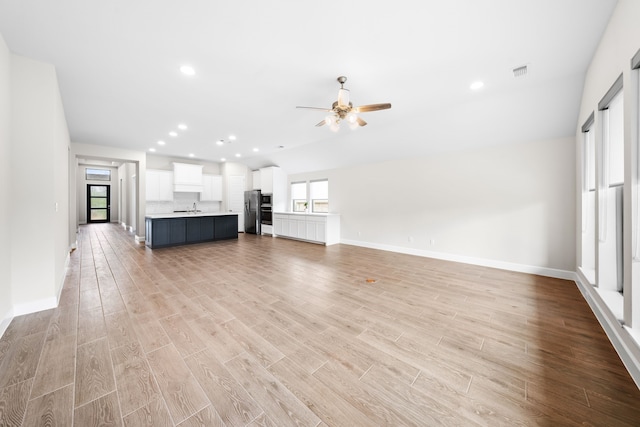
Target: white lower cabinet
[
  {"x": 297, "y": 228},
  {"x": 323, "y": 229},
  {"x": 280, "y": 223},
  {"x": 316, "y": 229}
]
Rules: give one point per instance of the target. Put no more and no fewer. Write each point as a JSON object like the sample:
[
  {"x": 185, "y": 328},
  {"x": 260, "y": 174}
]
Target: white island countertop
[{"x": 188, "y": 214}]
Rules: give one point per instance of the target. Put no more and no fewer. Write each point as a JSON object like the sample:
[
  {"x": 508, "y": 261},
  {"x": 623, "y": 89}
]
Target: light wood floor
[{"x": 264, "y": 331}]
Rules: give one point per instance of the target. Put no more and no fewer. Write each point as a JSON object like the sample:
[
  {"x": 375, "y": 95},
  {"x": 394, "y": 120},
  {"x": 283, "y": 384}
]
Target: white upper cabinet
[
  {"x": 256, "y": 184},
  {"x": 212, "y": 188},
  {"x": 187, "y": 177},
  {"x": 159, "y": 185},
  {"x": 266, "y": 180}
]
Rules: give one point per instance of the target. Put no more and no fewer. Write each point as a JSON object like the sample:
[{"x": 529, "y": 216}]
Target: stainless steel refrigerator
[{"x": 252, "y": 218}]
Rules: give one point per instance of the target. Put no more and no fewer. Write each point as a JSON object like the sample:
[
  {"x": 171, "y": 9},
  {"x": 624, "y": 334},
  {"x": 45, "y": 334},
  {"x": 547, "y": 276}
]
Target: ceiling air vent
[{"x": 520, "y": 71}]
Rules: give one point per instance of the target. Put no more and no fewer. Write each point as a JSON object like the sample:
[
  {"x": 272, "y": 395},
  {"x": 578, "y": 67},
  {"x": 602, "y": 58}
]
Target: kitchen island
[{"x": 181, "y": 228}]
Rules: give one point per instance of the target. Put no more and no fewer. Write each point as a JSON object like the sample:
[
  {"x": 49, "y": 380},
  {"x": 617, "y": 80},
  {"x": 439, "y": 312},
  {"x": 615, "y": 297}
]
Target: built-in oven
[
  {"x": 266, "y": 215},
  {"x": 266, "y": 209}
]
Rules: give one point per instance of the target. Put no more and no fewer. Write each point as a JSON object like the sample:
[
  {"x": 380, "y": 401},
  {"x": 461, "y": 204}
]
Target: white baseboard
[
  {"x": 622, "y": 338},
  {"x": 4, "y": 323},
  {"x": 67, "y": 261},
  {"x": 139, "y": 239},
  {"x": 521, "y": 268},
  {"x": 35, "y": 306}
]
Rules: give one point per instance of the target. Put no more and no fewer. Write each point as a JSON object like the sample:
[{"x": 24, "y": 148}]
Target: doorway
[{"x": 98, "y": 203}]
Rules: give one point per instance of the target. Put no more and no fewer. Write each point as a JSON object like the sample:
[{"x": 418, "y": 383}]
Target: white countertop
[
  {"x": 188, "y": 214},
  {"x": 308, "y": 213}
]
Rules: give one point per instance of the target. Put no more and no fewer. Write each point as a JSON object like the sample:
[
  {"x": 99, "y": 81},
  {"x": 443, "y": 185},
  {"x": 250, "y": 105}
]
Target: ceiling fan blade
[
  {"x": 361, "y": 122},
  {"x": 321, "y": 123},
  {"x": 372, "y": 107},
  {"x": 316, "y": 108}
]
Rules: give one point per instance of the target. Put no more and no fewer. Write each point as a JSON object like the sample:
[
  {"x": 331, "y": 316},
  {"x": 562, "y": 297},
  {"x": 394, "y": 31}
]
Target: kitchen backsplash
[{"x": 182, "y": 202}]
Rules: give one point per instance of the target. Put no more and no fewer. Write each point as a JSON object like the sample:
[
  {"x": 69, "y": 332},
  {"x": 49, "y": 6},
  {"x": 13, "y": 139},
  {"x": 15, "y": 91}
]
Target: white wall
[
  {"x": 510, "y": 205},
  {"x": 39, "y": 194},
  {"x": 61, "y": 147},
  {"x": 5, "y": 188}
]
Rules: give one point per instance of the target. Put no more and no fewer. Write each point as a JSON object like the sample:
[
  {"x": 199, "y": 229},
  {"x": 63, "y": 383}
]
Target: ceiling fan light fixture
[
  {"x": 476, "y": 85},
  {"x": 343, "y": 109},
  {"x": 187, "y": 70},
  {"x": 343, "y": 97}
]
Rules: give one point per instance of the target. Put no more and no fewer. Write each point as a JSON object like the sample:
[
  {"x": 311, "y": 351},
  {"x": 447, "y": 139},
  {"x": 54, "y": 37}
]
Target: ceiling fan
[{"x": 343, "y": 109}]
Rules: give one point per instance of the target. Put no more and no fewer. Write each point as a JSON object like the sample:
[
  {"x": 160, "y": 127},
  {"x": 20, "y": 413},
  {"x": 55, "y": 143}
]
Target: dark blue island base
[{"x": 172, "y": 231}]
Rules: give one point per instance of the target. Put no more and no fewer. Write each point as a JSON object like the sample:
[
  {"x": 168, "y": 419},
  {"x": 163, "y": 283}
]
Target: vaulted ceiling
[{"x": 118, "y": 64}]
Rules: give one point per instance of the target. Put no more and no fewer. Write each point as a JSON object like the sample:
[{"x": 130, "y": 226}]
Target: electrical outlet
[
  {"x": 432, "y": 242},
  {"x": 410, "y": 239}
]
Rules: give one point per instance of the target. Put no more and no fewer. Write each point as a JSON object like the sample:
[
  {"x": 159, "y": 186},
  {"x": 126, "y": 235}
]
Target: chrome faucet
[{"x": 195, "y": 207}]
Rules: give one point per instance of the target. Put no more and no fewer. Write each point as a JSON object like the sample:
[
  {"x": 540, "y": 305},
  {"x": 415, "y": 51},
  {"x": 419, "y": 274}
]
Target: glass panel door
[{"x": 98, "y": 203}]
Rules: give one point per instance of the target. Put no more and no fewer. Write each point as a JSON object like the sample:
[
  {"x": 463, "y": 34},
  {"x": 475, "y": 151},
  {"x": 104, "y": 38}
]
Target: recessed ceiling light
[
  {"x": 191, "y": 155},
  {"x": 476, "y": 85},
  {"x": 255, "y": 150},
  {"x": 161, "y": 142},
  {"x": 152, "y": 150},
  {"x": 219, "y": 142},
  {"x": 238, "y": 155},
  {"x": 182, "y": 126},
  {"x": 223, "y": 159},
  {"x": 187, "y": 70},
  {"x": 232, "y": 137},
  {"x": 172, "y": 133}
]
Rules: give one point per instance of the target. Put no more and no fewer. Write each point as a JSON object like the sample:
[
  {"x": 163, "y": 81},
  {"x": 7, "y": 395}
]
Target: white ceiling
[{"x": 118, "y": 67}]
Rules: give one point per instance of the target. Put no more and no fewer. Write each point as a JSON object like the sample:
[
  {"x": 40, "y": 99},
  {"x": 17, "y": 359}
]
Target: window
[
  {"x": 319, "y": 193},
  {"x": 614, "y": 141},
  {"x": 318, "y": 196},
  {"x": 588, "y": 258},
  {"x": 610, "y": 186},
  {"x": 299, "y": 196},
  {"x": 97, "y": 174}
]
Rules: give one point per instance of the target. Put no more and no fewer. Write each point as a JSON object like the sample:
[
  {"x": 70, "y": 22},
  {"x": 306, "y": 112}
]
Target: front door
[{"x": 98, "y": 203}]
